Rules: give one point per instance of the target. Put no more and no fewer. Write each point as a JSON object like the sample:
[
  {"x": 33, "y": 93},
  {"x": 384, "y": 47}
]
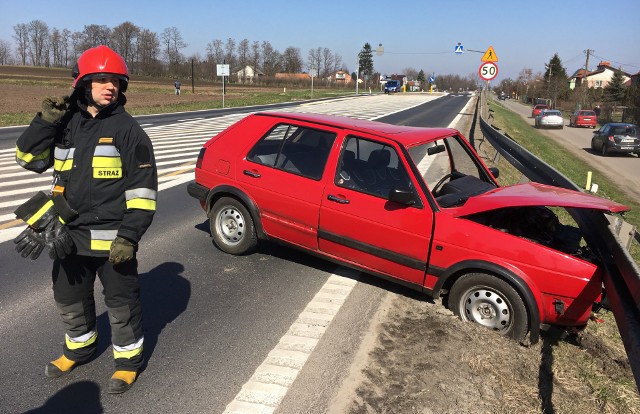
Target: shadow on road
[{"x": 79, "y": 397}]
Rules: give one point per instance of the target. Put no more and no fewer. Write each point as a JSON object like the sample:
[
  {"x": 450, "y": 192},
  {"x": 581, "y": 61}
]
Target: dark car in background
[
  {"x": 392, "y": 86},
  {"x": 616, "y": 137},
  {"x": 583, "y": 117}
]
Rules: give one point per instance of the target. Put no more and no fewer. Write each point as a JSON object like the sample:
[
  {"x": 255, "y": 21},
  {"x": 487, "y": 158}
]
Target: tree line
[{"x": 151, "y": 54}]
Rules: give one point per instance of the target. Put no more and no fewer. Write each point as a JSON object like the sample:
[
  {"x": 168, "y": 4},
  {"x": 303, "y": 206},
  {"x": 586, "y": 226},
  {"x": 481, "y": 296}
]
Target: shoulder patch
[{"x": 105, "y": 140}]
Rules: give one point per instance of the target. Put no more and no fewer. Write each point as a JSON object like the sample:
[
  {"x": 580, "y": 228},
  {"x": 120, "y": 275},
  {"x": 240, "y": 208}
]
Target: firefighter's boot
[
  {"x": 121, "y": 381},
  {"x": 59, "y": 367}
]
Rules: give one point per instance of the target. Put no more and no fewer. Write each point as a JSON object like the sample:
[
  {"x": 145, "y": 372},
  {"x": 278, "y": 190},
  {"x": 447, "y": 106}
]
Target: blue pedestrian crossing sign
[
  {"x": 432, "y": 79},
  {"x": 459, "y": 49}
]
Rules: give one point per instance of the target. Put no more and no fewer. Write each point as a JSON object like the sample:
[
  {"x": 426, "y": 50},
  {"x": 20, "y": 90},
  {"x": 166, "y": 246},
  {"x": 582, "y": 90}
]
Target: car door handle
[
  {"x": 252, "y": 174},
  {"x": 337, "y": 199}
]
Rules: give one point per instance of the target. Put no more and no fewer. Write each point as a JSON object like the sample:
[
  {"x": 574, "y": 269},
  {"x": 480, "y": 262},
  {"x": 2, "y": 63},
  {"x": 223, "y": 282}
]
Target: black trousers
[{"x": 73, "y": 290}]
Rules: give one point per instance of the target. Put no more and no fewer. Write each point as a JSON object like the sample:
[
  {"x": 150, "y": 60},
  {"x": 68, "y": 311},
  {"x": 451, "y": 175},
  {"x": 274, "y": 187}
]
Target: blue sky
[{"x": 420, "y": 34}]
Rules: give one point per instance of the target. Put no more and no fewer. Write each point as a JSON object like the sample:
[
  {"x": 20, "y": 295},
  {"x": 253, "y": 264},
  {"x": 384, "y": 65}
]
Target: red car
[
  {"x": 537, "y": 109},
  {"x": 583, "y": 118},
  {"x": 413, "y": 205}
]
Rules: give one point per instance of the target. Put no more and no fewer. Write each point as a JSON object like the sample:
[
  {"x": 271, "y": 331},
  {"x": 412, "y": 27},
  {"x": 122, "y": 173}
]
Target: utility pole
[{"x": 584, "y": 78}]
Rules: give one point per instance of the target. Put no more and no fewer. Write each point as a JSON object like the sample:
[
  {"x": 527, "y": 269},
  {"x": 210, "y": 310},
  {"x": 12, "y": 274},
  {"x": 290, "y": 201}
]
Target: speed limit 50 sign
[{"x": 488, "y": 71}]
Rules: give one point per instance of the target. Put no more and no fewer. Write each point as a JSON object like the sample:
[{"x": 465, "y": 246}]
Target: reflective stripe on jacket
[{"x": 106, "y": 167}]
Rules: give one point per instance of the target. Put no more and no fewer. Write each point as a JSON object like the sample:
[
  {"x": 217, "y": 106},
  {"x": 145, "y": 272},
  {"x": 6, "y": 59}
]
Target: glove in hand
[
  {"x": 122, "y": 250},
  {"x": 30, "y": 243},
  {"x": 58, "y": 241},
  {"x": 54, "y": 108}
]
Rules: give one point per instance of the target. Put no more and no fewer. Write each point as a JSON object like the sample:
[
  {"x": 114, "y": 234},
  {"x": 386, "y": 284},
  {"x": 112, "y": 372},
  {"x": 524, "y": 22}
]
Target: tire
[
  {"x": 604, "y": 151},
  {"x": 593, "y": 145},
  {"x": 232, "y": 227},
  {"x": 490, "y": 302}
]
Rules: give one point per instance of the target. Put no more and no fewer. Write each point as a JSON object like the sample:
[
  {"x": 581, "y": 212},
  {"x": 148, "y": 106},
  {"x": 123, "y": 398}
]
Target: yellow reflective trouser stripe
[
  {"x": 28, "y": 157},
  {"x": 141, "y": 203},
  {"x": 76, "y": 345},
  {"x": 127, "y": 354},
  {"x": 106, "y": 162},
  {"x": 40, "y": 213},
  {"x": 62, "y": 165}
]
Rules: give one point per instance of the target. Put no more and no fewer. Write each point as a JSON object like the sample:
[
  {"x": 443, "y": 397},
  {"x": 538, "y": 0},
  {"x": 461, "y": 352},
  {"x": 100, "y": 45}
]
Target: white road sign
[{"x": 488, "y": 71}]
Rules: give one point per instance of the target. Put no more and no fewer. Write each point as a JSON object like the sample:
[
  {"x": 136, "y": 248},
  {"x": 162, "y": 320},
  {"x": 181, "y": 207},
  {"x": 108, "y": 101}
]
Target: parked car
[
  {"x": 583, "y": 117},
  {"x": 616, "y": 137},
  {"x": 392, "y": 86},
  {"x": 537, "y": 108},
  {"x": 412, "y": 205},
  {"x": 549, "y": 118}
]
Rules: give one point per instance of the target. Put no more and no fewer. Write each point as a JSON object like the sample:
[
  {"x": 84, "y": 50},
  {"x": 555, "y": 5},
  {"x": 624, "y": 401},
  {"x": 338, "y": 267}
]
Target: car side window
[
  {"x": 298, "y": 150},
  {"x": 371, "y": 167}
]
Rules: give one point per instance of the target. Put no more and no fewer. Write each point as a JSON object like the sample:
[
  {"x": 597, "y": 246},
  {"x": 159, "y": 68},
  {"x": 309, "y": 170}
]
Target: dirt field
[{"x": 419, "y": 358}]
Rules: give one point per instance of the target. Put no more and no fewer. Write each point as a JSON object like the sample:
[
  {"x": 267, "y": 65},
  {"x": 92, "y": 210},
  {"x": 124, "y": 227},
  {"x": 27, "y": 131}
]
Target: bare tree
[
  {"x": 56, "y": 47},
  {"x": 229, "y": 52},
  {"x": 243, "y": 57},
  {"x": 21, "y": 37},
  {"x": 255, "y": 55},
  {"x": 327, "y": 61},
  {"x": 77, "y": 45},
  {"x": 38, "y": 38},
  {"x": 95, "y": 35},
  {"x": 292, "y": 60},
  {"x": 172, "y": 44},
  {"x": 5, "y": 52},
  {"x": 123, "y": 40},
  {"x": 411, "y": 73},
  {"x": 148, "y": 52},
  {"x": 64, "y": 47},
  {"x": 271, "y": 60},
  {"x": 314, "y": 58}
]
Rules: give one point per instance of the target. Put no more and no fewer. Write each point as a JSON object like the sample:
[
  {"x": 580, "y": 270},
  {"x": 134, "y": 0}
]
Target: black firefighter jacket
[{"x": 107, "y": 170}]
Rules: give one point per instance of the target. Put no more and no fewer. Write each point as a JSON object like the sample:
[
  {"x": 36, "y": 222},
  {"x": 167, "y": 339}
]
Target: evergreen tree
[
  {"x": 421, "y": 77},
  {"x": 615, "y": 90},
  {"x": 365, "y": 60},
  {"x": 556, "y": 79}
]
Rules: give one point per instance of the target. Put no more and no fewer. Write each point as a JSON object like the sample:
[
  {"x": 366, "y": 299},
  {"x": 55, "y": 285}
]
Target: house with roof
[
  {"x": 598, "y": 78},
  {"x": 248, "y": 74}
]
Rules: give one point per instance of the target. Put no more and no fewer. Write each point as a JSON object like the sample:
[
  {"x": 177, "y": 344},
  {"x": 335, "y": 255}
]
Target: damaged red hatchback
[{"x": 413, "y": 205}]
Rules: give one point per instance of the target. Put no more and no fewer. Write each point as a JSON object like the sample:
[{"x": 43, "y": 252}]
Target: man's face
[{"x": 104, "y": 90}]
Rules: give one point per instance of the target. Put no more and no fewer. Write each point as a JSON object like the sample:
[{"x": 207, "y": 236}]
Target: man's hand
[
  {"x": 122, "y": 250},
  {"x": 54, "y": 108}
]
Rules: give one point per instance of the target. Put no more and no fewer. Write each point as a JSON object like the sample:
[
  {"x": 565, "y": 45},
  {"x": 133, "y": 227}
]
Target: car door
[
  {"x": 283, "y": 173},
  {"x": 358, "y": 222},
  {"x": 598, "y": 137}
]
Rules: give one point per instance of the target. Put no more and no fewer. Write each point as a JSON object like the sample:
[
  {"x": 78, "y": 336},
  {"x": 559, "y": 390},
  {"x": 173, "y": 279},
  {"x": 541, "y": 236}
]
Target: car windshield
[{"x": 448, "y": 161}]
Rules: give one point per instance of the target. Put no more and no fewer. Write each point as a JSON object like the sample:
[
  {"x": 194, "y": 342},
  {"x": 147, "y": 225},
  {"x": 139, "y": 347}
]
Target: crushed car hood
[{"x": 534, "y": 194}]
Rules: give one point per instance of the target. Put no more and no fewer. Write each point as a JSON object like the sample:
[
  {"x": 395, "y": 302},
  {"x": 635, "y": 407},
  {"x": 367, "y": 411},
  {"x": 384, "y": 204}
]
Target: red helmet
[{"x": 99, "y": 61}]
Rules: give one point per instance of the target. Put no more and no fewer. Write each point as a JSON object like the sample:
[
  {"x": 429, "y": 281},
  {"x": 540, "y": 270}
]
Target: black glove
[
  {"x": 122, "y": 250},
  {"x": 54, "y": 108},
  {"x": 30, "y": 243},
  {"x": 58, "y": 241}
]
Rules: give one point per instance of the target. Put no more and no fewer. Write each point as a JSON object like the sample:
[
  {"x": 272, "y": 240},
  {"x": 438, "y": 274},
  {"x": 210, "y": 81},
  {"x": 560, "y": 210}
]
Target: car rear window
[
  {"x": 587, "y": 113},
  {"x": 629, "y": 131}
]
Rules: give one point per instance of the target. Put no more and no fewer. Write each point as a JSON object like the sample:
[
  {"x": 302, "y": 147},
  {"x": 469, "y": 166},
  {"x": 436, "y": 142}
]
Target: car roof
[{"x": 404, "y": 135}]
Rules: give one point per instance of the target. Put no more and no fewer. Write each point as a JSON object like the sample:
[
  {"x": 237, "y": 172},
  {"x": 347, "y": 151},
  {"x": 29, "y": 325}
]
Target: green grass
[{"x": 562, "y": 160}]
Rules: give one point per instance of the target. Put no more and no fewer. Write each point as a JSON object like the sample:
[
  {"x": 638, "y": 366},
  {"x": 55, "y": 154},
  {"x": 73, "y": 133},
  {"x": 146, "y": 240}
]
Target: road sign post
[{"x": 222, "y": 70}]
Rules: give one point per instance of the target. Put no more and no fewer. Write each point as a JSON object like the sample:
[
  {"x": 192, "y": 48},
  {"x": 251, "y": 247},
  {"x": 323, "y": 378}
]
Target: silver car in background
[{"x": 549, "y": 118}]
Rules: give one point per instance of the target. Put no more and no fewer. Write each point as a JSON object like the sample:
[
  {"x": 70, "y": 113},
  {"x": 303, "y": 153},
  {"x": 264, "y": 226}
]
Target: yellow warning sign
[{"x": 490, "y": 55}]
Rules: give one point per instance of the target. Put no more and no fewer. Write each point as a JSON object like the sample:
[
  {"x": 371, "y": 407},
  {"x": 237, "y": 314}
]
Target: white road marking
[{"x": 271, "y": 381}]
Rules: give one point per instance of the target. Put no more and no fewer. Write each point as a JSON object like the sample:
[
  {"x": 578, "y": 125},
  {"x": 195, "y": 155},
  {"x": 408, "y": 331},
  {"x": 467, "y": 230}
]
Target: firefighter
[{"x": 104, "y": 170}]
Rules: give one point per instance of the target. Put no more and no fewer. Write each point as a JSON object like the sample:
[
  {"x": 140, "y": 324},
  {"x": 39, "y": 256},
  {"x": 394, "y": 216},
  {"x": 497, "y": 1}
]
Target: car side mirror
[
  {"x": 494, "y": 171},
  {"x": 404, "y": 197}
]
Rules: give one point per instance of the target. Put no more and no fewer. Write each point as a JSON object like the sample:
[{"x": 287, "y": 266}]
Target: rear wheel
[
  {"x": 232, "y": 227},
  {"x": 604, "y": 151},
  {"x": 490, "y": 302}
]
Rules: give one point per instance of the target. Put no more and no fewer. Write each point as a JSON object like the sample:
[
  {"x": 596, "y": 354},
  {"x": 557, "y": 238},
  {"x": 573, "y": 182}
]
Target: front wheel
[
  {"x": 232, "y": 227},
  {"x": 490, "y": 302}
]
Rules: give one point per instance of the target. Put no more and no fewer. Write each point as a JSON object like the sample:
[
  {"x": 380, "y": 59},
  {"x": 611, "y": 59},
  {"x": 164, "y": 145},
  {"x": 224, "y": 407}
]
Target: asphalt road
[
  {"x": 210, "y": 318},
  {"x": 620, "y": 168}
]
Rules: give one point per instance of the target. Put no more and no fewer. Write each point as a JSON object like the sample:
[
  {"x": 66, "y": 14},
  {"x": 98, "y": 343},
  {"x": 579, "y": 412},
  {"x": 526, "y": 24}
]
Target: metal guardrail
[{"x": 622, "y": 276}]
